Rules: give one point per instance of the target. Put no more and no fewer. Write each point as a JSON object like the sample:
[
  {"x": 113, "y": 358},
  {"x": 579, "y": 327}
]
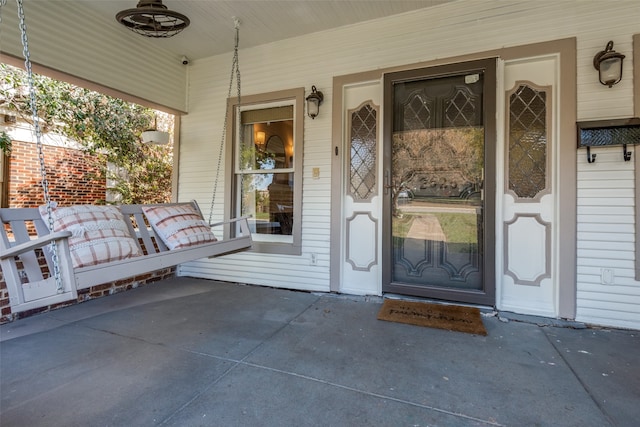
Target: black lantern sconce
[
  {"x": 313, "y": 102},
  {"x": 608, "y": 62}
]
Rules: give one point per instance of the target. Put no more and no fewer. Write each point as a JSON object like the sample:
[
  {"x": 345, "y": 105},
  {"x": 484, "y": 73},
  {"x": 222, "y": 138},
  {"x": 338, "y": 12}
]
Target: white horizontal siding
[
  {"x": 606, "y": 218},
  {"x": 201, "y": 137},
  {"x": 294, "y": 273},
  {"x": 606, "y": 240}
]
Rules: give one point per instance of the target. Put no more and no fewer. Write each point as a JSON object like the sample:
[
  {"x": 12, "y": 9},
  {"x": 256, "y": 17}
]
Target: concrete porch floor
[{"x": 189, "y": 352}]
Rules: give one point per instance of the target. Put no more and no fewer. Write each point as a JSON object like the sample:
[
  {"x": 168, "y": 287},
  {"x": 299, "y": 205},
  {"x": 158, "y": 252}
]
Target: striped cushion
[
  {"x": 99, "y": 233},
  {"x": 179, "y": 226}
]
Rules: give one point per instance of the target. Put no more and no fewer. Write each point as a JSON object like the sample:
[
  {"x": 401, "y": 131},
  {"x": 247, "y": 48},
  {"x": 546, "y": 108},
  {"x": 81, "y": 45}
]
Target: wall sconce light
[
  {"x": 608, "y": 62},
  {"x": 259, "y": 139},
  {"x": 313, "y": 102}
]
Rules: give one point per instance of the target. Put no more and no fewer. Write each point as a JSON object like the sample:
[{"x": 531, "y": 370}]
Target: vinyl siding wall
[
  {"x": 605, "y": 188},
  {"x": 606, "y": 226},
  {"x": 201, "y": 137}
]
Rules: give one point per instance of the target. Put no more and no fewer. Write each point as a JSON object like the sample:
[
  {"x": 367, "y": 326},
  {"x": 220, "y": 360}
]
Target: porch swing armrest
[
  {"x": 244, "y": 224},
  {"x": 230, "y": 221},
  {"x": 40, "y": 242}
]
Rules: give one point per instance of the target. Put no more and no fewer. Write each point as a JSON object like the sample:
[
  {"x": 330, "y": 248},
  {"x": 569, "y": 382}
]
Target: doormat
[{"x": 449, "y": 317}]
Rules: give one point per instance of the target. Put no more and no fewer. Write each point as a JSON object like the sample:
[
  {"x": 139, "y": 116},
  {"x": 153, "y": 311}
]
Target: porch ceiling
[{"x": 262, "y": 21}]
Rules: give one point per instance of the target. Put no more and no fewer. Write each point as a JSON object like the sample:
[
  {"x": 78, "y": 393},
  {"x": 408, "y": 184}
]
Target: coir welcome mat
[{"x": 449, "y": 317}]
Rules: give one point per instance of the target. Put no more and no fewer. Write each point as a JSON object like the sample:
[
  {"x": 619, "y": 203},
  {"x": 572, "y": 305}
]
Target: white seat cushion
[
  {"x": 179, "y": 226},
  {"x": 99, "y": 233}
]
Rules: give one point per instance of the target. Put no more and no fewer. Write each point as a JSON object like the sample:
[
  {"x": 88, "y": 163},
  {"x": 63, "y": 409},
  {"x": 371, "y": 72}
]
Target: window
[{"x": 267, "y": 164}]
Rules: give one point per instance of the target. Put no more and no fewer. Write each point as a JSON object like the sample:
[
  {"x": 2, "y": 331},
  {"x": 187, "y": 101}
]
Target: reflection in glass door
[{"x": 438, "y": 212}]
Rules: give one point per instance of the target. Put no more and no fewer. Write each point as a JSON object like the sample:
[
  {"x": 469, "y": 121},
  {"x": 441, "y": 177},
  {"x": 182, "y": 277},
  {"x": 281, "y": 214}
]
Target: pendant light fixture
[
  {"x": 155, "y": 136},
  {"x": 152, "y": 19}
]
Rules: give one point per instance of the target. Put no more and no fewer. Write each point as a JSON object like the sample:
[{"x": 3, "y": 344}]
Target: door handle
[{"x": 387, "y": 182}]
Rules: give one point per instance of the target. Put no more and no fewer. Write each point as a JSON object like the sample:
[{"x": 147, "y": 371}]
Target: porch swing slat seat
[{"x": 25, "y": 273}]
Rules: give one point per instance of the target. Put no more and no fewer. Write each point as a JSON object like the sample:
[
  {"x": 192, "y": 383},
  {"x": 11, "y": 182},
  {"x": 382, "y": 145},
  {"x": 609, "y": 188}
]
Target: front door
[{"x": 439, "y": 182}]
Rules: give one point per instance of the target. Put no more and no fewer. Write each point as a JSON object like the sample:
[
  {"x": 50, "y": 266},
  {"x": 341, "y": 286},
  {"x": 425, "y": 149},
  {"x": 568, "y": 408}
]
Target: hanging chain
[
  {"x": 235, "y": 69},
  {"x": 38, "y": 133},
  {"x": 2, "y": 3}
]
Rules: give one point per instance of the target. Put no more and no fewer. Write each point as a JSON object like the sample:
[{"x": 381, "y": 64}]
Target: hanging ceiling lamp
[
  {"x": 152, "y": 19},
  {"x": 155, "y": 136}
]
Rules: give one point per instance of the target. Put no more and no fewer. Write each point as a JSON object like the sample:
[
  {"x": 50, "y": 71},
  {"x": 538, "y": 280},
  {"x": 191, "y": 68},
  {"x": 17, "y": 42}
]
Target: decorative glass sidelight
[
  {"x": 363, "y": 142},
  {"x": 527, "y": 133}
]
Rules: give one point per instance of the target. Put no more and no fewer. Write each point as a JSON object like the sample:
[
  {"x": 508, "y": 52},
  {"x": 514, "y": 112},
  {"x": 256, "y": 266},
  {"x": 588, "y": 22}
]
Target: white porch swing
[{"x": 82, "y": 246}]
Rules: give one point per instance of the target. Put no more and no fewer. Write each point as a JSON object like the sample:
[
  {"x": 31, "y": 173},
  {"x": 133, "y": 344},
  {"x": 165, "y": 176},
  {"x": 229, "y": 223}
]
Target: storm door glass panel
[
  {"x": 527, "y": 141},
  {"x": 363, "y": 147},
  {"x": 437, "y": 178}
]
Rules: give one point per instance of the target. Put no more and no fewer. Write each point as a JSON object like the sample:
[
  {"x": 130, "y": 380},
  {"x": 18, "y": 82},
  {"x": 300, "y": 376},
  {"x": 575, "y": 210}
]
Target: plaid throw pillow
[
  {"x": 179, "y": 226},
  {"x": 99, "y": 233}
]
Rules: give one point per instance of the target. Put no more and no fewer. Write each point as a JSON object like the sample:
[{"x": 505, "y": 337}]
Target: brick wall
[
  {"x": 84, "y": 294},
  {"x": 71, "y": 176}
]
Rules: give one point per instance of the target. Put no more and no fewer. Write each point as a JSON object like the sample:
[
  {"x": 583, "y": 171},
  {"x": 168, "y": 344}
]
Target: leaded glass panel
[
  {"x": 527, "y": 141},
  {"x": 363, "y": 146},
  {"x": 418, "y": 112},
  {"x": 460, "y": 109}
]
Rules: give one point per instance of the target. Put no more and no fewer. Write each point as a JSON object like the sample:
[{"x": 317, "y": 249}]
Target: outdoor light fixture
[
  {"x": 313, "y": 102},
  {"x": 608, "y": 62},
  {"x": 152, "y": 19},
  {"x": 155, "y": 136}
]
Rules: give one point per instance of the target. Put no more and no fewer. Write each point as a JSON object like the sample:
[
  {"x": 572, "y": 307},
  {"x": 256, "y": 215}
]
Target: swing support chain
[
  {"x": 235, "y": 70},
  {"x": 38, "y": 135}
]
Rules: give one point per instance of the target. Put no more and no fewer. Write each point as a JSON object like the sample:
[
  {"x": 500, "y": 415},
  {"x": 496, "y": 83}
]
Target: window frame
[
  {"x": 259, "y": 101},
  {"x": 4, "y": 179},
  {"x": 636, "y": 113}
]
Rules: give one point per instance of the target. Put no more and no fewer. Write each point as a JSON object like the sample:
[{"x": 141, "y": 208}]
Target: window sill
[{"x": 276, "y": 248}]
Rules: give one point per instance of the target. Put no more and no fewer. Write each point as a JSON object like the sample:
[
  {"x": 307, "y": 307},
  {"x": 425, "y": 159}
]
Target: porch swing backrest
[{"x": 26, "y": 259}]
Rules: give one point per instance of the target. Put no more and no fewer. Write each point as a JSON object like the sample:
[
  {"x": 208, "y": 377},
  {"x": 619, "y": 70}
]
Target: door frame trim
[{"x": 566, "y": 176}]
